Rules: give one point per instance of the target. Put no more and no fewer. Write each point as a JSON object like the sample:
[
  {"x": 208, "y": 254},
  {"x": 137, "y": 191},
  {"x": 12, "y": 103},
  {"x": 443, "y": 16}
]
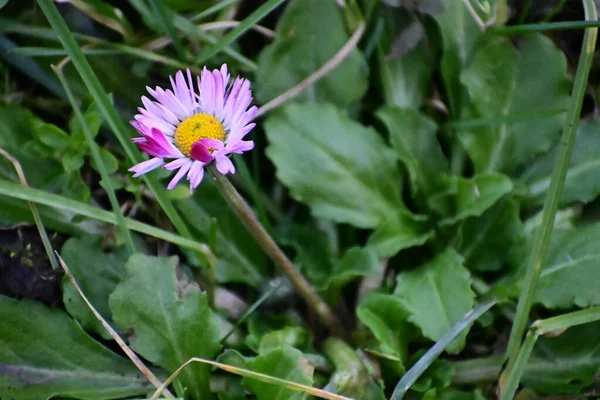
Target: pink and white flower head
[{"x": 184, "y": 131}]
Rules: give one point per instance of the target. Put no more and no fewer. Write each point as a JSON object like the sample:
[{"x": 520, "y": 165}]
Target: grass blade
[
  {"x": 164, "y": 18},
  {"x": 246, "y": 24},
  {"x": 424, "y": 362},
  {"x": 544, "y": 27},
  {"x": 213, "y": 10},
  {"x": 37, "y": 196},
  {"x": 98, "y": 160},
  {"x": 553, "y": 196}
]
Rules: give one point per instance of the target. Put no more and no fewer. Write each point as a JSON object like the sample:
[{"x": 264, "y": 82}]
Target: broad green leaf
[
  {"x": 570, "y": 276},
  {"x": 583, "y": 178},
  {"x": 51, "y": 135},
  {"x": 294, "y": 56},
  {"x": 408, "y": 78},
  {"x": 485, "y": 241},
  {"x": 502, "y": 82},
  {"x": 285, "y": 363},
  {"x": 45, "y": 354},
  {"x": 98, "y": 273},
  {"x": 109, "y": 160},
  {"x": 170, "y": 319},
  {"x": 239, "y": 258},
  {"x": 437, "y": 295},
  {"x": 460, "y": 35},
  {"x": 72, "y": 161},
  {"x": 387, "y": 317},
  {"x": 341, "y": 169},
  {"x": 454, "y": 394},
  {"x": 472, "y": 197},
  {"x": 400, "y": 233},
  {"x": 413, "y": 135}
]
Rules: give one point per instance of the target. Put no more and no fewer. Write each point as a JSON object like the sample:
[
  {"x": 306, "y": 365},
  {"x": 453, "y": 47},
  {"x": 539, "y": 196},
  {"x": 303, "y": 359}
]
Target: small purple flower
[{"x": 184, "y": 131}]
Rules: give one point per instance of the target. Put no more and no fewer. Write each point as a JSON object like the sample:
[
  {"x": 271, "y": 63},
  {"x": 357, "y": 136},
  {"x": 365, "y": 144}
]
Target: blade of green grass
[
  {"x": 9, "y": 26},
  {"x": 109, "y": 112},
  {"x": 50, "y": 52},
  {"x": 16, "y": 191},
  {"x": 433, "y": 353},
  {"x": 164, "y": 17},
  {"x": 553, "y": 196},
  {"x": 28, "y": 66},
  {"x": 213, "y": 10},
  {"x": 251, "y": 310},
  {"x": 246, "y": 24},
  {"x": 538, "y": 328},
  {"x": 106, "y": 179},
  {"x": 544, "y": 27}
]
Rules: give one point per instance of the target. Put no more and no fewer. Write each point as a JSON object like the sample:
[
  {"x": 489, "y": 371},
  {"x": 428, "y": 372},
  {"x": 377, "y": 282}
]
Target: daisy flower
[{"x": 183, "y": 130}]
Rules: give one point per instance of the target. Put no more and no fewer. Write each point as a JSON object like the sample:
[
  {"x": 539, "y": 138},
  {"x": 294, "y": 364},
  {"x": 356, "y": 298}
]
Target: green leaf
[
  {"x": 472, "y": 197},
  {"x": 570, "y": 275},
  {"x": 501, "y": 82},
  {"x": 293, "y": 56},
  {"x": 387, "y": 317},
  {"x": 51, "y": 135},
  {"x": 485, "y": 241},
  {"x": 239, "y": 258},
  {"x": 356, "y": 262},
  {"x": 16, "y": 130},
  {"x": 170, "y": 318},
  {"x": 285, "y": 363},
  {"x": 413, "y": 135},
  {"x": 292, "y": 336},
  {"x": 341, "y": 169},
  {"x": 45, "y": 354},
  {"x": 98, "y": 273},
  {"x": 583, "y": 177},
  {"x": 438, "y": 294},
  {"x": 110, "y": 161},
  {"x": 460, "y": 35},
  {"x": 400, "y": 233},
  {"x": 408, "y": 78},
  {"x": 72, "y": 161},
  {"x": 105, "y": 14}
]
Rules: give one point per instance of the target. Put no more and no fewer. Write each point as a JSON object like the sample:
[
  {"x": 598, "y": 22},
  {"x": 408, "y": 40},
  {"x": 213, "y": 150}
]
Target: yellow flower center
[{"x": 196, "y": 127}]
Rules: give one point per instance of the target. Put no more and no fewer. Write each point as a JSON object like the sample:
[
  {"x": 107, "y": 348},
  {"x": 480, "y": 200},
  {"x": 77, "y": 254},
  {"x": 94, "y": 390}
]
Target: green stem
[
  {"x": 553, "y": 196},
  {"x": 245, "y": 214},
  {"x": 99, "y": 163}
]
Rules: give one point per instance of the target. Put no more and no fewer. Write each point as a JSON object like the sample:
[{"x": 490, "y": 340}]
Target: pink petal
[
  {"x": 200, "y": 153},
  {"x": 146, "y": 166},
  {"x": 180, "y": 174},
  {"x": 224, "y": 165}
]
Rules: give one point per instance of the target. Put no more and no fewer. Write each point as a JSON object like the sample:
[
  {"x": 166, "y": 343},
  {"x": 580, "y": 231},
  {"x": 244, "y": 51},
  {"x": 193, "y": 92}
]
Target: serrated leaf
[
  {"x": 387, "y": 317},
  {"x": 583, "y": 177},
  {"x": 570, "y": 276},
  {"x": 97, "y": 273},
  {"x": 485, "y": 241},
  {"x": 413, "y": 135},
  {"x": 438, "y": 294},
  {"x": 170, "y": 318},
  {"x": 239, "y": 258},
  {"x": 501, "y": 82},
  {"x": 45, "y": 354},
  {"x": 341, "y": 169},
  {"x": 472, "y": 197},
  {"x": 285, "y": 363},
  {"x": 293, "y": 56}
]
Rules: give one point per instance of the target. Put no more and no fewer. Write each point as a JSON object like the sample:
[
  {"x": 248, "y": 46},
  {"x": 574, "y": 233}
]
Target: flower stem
[{"x": 245, "y": 214}]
